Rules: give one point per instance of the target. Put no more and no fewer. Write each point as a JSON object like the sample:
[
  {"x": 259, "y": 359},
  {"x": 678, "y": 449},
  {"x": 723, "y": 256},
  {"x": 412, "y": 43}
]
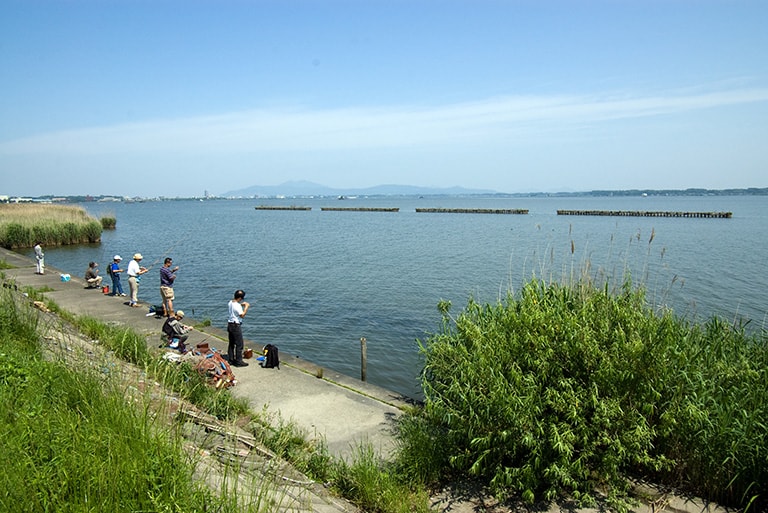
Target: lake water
[{"x": 318, "y": 280}]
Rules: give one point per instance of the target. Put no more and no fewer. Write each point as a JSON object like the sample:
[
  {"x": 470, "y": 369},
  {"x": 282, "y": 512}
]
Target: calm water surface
[{"x": 319, "y": 280}]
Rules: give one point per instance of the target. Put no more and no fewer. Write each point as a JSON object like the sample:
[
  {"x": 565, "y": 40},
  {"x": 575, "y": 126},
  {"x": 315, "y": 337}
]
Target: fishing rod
[{"x": 168, "y": 251}]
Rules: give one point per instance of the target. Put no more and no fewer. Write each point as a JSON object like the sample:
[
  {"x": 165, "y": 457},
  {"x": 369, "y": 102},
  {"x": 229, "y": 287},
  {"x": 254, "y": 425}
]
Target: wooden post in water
[{"x": 363, "y": 359}]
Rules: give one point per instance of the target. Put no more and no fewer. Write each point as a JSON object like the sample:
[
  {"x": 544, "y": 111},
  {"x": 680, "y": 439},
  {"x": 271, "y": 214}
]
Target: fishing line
[{"x": 168, "y": 251}]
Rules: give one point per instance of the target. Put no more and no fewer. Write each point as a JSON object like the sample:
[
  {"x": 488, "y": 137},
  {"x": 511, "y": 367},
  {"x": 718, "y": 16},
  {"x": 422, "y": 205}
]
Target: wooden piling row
[
  {"x": 279, "y": 207},
  {"x": 473, "y": 210},
  {"x": 362, "y": 209},
  {"x": 620, "y": 213},
  {"x": 643, "y": 213}
]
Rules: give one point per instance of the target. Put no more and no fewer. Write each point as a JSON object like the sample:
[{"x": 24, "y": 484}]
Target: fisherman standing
[
  {"x": 237, "y": 308},
  {"x": 39, "y": 258},
  {"x": 167, "y": 277},
  {"x": 134, "y": 273},
  {"x": 114, "y": 273}
]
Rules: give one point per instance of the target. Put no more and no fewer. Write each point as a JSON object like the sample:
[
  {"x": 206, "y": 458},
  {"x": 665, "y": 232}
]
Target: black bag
[
  {"x": 271, "y": 357},
  {"x": 109, "y": 269},
  {"x": 168, "y": 328}
]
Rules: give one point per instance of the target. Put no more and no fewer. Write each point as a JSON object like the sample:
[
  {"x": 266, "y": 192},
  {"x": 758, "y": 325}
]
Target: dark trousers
[{"x": 235, "y": 348}]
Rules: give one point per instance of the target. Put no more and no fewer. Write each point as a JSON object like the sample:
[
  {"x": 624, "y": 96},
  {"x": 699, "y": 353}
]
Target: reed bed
[
  {"x": 22, "y": 225},
  {"x": 565, "y": 390}
]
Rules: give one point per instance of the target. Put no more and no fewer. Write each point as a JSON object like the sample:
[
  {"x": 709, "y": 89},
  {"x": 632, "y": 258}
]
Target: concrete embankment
[{"x": 339, "y": 409}]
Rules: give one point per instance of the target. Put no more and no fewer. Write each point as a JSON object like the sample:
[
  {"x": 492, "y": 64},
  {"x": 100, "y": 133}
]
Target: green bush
[
  {"x": 108, "y": 222},
  {"x": 566, "y": 390}
]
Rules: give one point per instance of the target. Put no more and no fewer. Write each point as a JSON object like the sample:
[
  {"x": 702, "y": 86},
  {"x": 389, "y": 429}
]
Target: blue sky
[{"x": 173, "y": 98}]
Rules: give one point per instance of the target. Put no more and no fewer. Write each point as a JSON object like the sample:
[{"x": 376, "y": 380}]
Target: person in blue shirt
[{"x": 114, "y": 273}]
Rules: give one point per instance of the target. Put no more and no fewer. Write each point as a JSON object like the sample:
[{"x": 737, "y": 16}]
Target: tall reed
[{"x": 22, "y": 225}]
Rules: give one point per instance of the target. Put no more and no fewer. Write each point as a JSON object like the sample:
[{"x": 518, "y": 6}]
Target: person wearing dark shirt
[
  {"x": 175, "y": 331},
  {"x": 92, "y": 276},
  {"x": 167, "y": 277}
]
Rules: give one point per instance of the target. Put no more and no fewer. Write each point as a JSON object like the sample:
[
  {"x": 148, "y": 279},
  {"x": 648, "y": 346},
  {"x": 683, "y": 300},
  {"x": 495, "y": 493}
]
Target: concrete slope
[{"x": 342, "y": 411}]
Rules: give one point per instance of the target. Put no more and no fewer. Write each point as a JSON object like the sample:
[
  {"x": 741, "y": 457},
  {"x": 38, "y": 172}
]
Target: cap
[
  {"x": 117, "y": 257},
  {"x": 137, "y": 256},
  {"x": 180, "y": 313}
]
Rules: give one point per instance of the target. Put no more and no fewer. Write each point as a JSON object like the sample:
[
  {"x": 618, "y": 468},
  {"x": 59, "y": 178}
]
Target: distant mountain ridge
[{"x": 305, "y": 188}]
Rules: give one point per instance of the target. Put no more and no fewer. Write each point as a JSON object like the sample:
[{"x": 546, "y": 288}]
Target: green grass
[
  {"x": 374, "y": 485},
  {"x": 71, "y": 441}
]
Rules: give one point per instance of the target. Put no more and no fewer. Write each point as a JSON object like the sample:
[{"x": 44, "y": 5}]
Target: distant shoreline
[{"x": 436, "y": 193}]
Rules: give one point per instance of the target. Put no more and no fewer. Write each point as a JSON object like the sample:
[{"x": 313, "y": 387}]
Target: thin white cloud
[{"x": 356, "y": 128}]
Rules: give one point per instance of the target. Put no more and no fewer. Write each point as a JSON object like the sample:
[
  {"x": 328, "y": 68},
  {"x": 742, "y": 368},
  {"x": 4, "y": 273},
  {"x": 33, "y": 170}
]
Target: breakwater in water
[
  {"x": 362, "y": 209},
  {"x": 281, "y": 207},
  {"x": 643, "y": 213},
  {"x": 474, "y": 210}
]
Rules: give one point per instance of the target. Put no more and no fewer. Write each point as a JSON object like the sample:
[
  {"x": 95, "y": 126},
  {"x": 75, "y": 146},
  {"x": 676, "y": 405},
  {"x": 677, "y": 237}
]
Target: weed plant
[
  {"x": 23, "y": 225},
  {"x": 376, "y": 486},
  {"x": 108, "y": 222},
  {"x": 373, "y": 485},
  {"x": 573, "y": 389},
  {"x": 182, "y": 379},
  {"x": 71, "y": 441}
]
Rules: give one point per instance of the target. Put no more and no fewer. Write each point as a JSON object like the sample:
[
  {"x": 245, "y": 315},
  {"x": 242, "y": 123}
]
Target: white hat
[
  {"x": 137, "y": 256},
  {"x": 180, "y": 313},
  {"x": 117, "y": 257}
]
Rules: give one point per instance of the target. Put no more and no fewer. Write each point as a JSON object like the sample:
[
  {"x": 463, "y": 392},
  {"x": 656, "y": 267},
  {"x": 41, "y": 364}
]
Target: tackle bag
[
  {"x": 158, "y": 310},
  {"x": 271, "y": 357}
]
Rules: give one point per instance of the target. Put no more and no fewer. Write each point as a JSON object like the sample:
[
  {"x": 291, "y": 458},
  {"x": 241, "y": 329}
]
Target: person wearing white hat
[
  {"x": 114, "y": 273},
  {"x": 175, "y": 331},
  {"x": 134, "y": 272}
]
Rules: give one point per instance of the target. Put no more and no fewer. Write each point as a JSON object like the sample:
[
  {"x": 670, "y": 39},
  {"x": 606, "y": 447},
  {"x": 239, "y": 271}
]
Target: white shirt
[
  {"x": 133, "y": 268},
  {"x": 235, "y": 312}
]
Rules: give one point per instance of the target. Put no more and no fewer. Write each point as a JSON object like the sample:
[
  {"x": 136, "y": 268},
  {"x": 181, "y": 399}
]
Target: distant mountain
[{"x": 304, "y": 188}]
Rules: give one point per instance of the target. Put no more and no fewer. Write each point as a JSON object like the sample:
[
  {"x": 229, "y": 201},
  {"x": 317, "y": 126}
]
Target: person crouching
[
  {"x": 176, "y": 332},
  {"x": 92, "y": 276}
]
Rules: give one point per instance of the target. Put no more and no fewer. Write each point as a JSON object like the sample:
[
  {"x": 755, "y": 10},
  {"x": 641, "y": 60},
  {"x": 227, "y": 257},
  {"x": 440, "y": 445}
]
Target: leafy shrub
[
  {"x": 108, "y": 222},
  {"x": 571, "y": 389}
]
